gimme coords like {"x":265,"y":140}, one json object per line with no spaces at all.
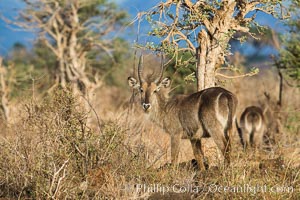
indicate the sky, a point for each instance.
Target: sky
{"x":9,"y":34}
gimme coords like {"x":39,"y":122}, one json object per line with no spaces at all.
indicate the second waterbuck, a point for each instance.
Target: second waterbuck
{"x":208,"y":113}
{"x":252,"y":127}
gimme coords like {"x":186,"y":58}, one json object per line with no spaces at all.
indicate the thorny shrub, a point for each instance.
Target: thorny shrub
{"x":51,"y":153}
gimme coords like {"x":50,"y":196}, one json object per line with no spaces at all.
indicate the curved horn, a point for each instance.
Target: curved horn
{"x":140,"y":69}
{"x":160,"y":75}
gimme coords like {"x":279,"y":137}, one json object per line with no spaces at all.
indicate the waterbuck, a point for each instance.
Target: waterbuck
{"x":252,"y":127}
{"x":208,"y":113}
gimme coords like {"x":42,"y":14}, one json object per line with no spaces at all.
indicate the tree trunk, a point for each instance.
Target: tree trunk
{"x":207,"y":55}
{"x":201,"y":59}
{"x":212,"y":42}
{"x":62,"y":81}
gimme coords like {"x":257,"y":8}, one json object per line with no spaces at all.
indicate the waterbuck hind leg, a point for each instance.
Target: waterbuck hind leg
{"x":246,"y":138}
{"x":258,"y":143}
{"x":196,"y":145}
{"x":220,"y":135}
{"x":175,"y":147}
{"x":225,"y":146}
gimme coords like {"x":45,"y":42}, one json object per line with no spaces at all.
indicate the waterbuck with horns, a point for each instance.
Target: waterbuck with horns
{"x":208,"y":113}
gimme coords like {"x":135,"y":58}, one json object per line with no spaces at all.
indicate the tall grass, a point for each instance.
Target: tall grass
{"x":51,"y":152}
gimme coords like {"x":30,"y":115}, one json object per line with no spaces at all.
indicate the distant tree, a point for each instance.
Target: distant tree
{"x":112,"y":68}
{"x":29,"y":70}
{"x":204,"y":29}
{"x":18,"y":52}
{"x":72,"y":30}
{"x":288,"y":60}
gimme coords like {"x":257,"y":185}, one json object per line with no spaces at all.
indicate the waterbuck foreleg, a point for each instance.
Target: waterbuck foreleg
{"x":175,"y":147}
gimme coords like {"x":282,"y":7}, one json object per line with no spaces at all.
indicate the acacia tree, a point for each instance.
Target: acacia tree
{"x":72,"y":29}
{"x":204,"y":29}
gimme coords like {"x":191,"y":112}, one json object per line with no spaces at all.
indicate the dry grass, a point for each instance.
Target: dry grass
{"x":51,"y":153}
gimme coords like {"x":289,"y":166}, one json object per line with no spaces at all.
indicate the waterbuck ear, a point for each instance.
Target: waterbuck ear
{"x":166,"y":82}
{"x":132,"y":82}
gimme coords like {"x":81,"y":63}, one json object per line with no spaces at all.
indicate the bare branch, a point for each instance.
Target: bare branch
{"x":252,"y":73}
{"x":190,"y":44}
{"x":57,"y":179}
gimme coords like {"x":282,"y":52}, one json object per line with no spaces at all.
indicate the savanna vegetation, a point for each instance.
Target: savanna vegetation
{"x":71,"y":128}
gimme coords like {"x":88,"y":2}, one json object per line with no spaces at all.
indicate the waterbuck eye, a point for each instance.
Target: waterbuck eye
{"x":141,"y":90}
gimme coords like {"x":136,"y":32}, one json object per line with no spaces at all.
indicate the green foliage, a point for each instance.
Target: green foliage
{"x":182,"y":73}
{"x":289,"y":60}
{"x":98,"y":12}
{"x":104,"y":61}
{"x":28,"y":70}
{"x":113,"y":67}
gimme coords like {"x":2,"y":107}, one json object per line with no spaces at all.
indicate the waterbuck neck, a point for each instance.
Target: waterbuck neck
{"x":158,"y":111}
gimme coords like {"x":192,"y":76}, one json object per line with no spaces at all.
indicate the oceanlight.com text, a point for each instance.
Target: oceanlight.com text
{"x":210,"y":188}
